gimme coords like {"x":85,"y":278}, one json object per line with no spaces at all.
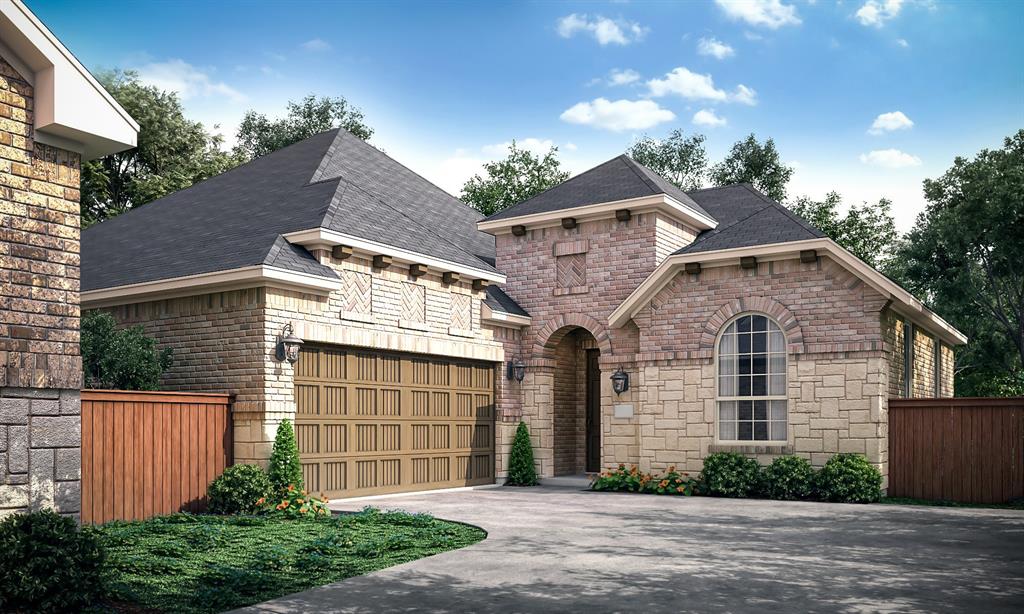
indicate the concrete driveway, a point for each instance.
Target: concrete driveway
{"x":559,"y":549}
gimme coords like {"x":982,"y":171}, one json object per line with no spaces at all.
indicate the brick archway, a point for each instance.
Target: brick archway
{"x":549,"y":336}
{"x":762,"y":304}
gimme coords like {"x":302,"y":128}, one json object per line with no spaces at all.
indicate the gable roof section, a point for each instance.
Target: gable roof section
{"x":497,"y":300}
{"x":620,"y":178}
{"x":746,"y":218}
{"x":242,"y":217}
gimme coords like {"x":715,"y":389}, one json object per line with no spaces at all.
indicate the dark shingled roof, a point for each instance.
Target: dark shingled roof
{"x":497,"y":300}
{"x":332,"y":180}
{"x":746,"y":218}
{"x":617,"y":179}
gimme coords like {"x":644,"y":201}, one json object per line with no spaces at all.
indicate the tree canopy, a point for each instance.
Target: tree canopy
{"x":258,"y":135}
{"x":868,"y":230}
{"x":751,"y":162}
{"x":173,"y":152}
{"x":678,"y":158}
{"x":965,"y":255}
{"x":519,"y":176}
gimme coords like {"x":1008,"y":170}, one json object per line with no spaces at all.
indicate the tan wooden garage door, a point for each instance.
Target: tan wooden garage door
{"x":373,"y":422}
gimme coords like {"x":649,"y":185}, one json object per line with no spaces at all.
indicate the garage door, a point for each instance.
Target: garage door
{"x":373,"y":422}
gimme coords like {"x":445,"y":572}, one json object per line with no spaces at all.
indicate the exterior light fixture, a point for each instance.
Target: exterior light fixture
{"x":288,"y":345}
{"x":516,"y":370}
{"x":620,"y":381}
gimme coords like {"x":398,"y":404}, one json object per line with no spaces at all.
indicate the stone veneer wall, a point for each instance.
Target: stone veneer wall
{"x":40,"y":365}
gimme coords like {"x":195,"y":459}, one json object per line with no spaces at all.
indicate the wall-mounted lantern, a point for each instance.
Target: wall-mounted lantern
{"x":288,"y":345}
{"x":620,"y":381}
{"x":516,"y":370}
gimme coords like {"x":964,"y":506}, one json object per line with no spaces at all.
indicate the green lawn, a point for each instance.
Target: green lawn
{"x":200,"y":563}
{"x":1015,"y":505}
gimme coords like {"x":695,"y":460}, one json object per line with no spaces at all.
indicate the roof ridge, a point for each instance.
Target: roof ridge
{"x":415,"y":223}
{"x":636,"y":168}
{"x":720,"y":229}
{"x":538,"y":194}
{"x":785,"y":210}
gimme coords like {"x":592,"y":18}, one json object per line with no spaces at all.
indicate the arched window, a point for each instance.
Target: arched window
{"x":752,"y":380}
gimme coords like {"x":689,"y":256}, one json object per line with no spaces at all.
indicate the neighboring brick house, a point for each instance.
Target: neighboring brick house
{"x":53,"y":115}
{"x":740,"y":326}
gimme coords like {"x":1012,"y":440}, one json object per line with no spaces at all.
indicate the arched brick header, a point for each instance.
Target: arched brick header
{"x":559,"y":326}
{"x":761,"y":304}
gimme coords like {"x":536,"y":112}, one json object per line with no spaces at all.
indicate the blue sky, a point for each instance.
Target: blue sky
{"x":867,"y":97}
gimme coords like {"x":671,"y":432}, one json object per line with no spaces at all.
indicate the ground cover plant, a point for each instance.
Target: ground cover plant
{"x":206,"y":563}
{"x":671,"y":482}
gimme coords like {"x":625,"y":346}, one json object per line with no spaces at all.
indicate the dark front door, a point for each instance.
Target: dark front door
{"x":593,"y":411}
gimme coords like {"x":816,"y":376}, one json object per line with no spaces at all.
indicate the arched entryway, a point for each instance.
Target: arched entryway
{"x":576,"y":419}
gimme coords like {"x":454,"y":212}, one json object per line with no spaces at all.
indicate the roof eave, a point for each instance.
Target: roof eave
{"x":904,"y":302}
{"x":204,"y":283}
{"x":494,"y":317}
{"x":660,"y":202}
{"x":325,"y":237}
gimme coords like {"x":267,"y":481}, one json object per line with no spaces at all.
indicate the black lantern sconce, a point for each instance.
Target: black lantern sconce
{"x":516,"y":370}
{"x":288,"y":345}
{"x":620,"y":381}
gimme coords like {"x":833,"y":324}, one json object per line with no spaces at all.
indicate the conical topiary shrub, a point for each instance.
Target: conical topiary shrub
{"x":285,"y":469}
{"x":521,"y":471}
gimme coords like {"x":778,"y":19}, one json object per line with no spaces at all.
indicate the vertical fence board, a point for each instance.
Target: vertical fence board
{"x":963,"y":449}
{"x":150,"y":453}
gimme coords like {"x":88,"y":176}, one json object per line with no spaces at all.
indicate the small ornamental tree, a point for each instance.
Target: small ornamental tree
{"x":285,"y":469}
{"x":521,"y":471}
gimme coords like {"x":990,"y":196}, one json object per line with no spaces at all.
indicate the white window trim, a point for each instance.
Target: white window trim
{"x":718,"y":397}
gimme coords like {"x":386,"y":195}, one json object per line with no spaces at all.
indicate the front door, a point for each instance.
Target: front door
{"x":593,"y":412}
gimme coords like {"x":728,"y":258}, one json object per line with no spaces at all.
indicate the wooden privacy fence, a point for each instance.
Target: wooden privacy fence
{"x":151,"y":453}
{"x":969,"y":449}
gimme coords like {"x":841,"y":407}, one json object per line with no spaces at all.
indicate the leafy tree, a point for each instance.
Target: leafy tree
{"x":751,"y":162}
{"x":172,"y":152}
{"x":258,"y":135}
{"x":518,"y":177}
{"x":285,"y":469}
{"x":868,"y":230}
{"x":120,"y":359}
{"x":521,"y":470}
{"x":966,"y":255}
{"x":680,"y":159}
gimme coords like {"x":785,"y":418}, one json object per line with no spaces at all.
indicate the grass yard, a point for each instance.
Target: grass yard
{"x":201,"y":563}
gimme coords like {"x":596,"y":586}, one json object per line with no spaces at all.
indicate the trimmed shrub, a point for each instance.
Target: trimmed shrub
{"x":521,"y":470}
{"x":123,"y":359}
{"x":849,"y":478}
{"x":788,"y":478}
{"x":729,"y":474}
{"x":284,"y":469}
{"x":241,"y":489}
{"x":48,"y":564}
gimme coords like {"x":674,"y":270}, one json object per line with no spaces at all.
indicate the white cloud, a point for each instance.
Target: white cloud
{"x":187,"y":80}
{"x":752,"y":36}
{"x":890,"y":122}
{"x":707,"y":117}
{"x":570,"y":146}
{"x":695,"y":86}
{"x":623,"y":77}
{"x":877,"y":12}
{"x":618,"y":115}
{"x":890,"y":158}
{"x":316,"y":44}
{"x":902,"y":42}
{"x":606,"y":31}
{"x":767,"y":13}
{"x":533,"y":145}
{"x":715,"y":48}
{"x":745,"y":95}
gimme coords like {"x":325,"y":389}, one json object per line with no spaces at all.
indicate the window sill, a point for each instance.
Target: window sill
{"x":571,"y":290}
{"x":768,"y":447}
{"x":366,"y":318}
{"x":412,"y":325}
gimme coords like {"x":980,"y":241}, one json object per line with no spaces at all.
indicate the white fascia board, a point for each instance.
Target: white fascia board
{"x":69,"y":104}
{"x":903,"y":302}
{"x":325,"y":238}
{"x":500,"y":318}
{"x":656,"y":202}
{"x":204,"y":283}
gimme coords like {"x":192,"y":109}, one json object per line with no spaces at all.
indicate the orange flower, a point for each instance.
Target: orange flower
{"x":324,"y":499}
{"x":302,"y":511}
{"x":261,"y":501}
{"x":291,"y":488}
{"x":680,"y":489}
{"x":299,"y":501}
{"x":284,"y":503}
{"x":663,"y":484}
{"x":679,"y":480}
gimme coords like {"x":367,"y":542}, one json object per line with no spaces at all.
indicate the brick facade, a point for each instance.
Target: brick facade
{"x":40,"y":365}
{"x":932,"y":362}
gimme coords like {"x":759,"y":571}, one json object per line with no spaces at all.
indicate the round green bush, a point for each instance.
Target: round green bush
{"x":241,"y":489}
{"x":729,"y":474}
{"x":788,"y":478}
{"x":48,"y":564}
{"x":849,"y":478}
